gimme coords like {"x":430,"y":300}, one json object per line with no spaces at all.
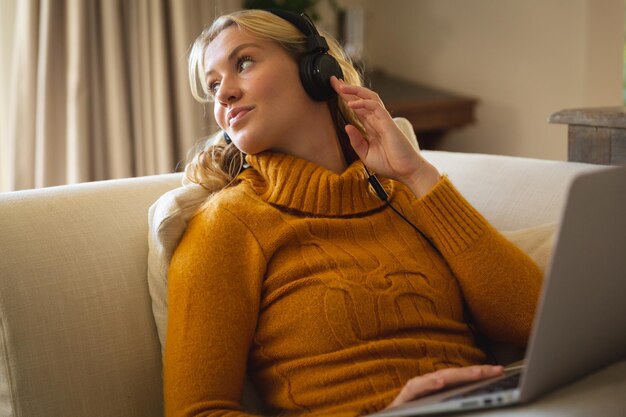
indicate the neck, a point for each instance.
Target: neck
{"x":328,"y":153}
{"x":317,"y":141}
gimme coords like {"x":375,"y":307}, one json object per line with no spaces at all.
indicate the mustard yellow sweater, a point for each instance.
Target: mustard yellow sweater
{"x":306,"y":281}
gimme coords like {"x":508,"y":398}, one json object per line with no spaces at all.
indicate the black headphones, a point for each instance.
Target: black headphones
{"x":316,"y":65}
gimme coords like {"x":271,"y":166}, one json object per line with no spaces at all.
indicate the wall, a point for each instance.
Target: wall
{"x":522,"y":59}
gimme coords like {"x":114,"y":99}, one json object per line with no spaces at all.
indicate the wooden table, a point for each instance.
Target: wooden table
{"x":596,"y":135}
{"x":432,"y":112}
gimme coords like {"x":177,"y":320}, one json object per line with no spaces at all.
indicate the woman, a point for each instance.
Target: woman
{"x":333,"y":300}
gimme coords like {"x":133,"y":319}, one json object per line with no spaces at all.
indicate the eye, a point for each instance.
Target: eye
{"x":244,"y":63}
{"x":213,"y":87}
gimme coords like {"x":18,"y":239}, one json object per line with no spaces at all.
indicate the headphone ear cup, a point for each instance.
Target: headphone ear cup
{"x":315,"y":72}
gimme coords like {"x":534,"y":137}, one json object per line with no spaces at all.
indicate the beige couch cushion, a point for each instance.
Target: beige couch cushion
{"x":76,"y":330}
{"x":511,"y":192}
{"x":536,"y":241}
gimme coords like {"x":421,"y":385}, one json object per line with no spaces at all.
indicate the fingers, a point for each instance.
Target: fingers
{"x":371,"y":105}
{"x":455,"y":376}
{"x":417,"y":387}
{"x":364,"y":102}
{"x":354,"y":95}
{"x":358,"y":142}
{"x":428,"y":383}
{"x":352,"y":92}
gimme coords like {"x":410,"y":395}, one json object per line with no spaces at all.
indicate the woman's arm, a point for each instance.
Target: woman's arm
{"x":500,"y":283}
{"x":213,"y":290}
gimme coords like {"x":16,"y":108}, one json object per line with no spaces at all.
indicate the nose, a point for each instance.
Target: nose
{"x":228,"y":91}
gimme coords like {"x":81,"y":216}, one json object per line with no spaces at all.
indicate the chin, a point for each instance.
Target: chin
{"x":252,"y":143}
{"x":250,"y":148}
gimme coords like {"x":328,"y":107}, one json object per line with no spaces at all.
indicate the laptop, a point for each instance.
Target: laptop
{"x":580,"y":324}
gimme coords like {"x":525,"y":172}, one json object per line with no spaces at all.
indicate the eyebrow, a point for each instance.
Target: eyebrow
{"x":234,"y":52}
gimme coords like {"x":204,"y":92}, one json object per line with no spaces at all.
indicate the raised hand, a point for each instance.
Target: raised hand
{"x":384,"y":148}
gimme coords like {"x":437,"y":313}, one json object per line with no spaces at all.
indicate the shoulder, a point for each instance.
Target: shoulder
{"x":224,"y":216}
{"x":243,"y":205}
{"x":218,"y":240}
{"x":233,"y":207}
{"x":228,"y":221}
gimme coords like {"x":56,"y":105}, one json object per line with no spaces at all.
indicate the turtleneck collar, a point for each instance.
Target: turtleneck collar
{"x":299,"y":185}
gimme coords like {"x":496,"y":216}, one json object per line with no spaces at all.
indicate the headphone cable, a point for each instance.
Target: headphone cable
{"x":382,"y":194}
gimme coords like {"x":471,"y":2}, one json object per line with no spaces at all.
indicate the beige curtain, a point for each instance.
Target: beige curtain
{"x":7,"y":24}
{"x":99,"y":89}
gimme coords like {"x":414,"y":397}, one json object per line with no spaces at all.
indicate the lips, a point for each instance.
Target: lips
{"x":236,"y":114}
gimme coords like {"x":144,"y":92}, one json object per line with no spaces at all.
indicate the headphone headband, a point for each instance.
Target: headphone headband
{"x":317,"y":65}
{"x":301,"y":21}
{"x":314,"y":42}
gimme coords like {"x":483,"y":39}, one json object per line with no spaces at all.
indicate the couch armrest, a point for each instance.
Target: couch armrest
{"x":77,"y":335}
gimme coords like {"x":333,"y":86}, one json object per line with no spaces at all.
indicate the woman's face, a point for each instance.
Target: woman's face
{"x":259,"y":100}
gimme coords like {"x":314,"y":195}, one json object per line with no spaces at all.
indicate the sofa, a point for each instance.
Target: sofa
{"x":78,"y":335}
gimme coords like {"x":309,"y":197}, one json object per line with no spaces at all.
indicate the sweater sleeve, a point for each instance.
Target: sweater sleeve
{"x":213,"y":289}
{"x":500,"y":283}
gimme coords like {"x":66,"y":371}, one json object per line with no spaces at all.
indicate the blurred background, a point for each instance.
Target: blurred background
{"x":98,"y":89}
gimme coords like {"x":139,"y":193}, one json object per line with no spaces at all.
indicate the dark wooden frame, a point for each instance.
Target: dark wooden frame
{"x":595,"y":135}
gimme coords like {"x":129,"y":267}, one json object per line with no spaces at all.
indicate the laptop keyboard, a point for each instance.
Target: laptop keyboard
{"x":507,"y":383}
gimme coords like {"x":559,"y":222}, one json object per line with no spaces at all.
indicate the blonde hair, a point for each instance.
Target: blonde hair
{"x":214,"y":159}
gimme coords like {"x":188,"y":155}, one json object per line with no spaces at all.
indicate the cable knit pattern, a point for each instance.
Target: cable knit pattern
{"x":297,"y":185}
{"x":305,"y":280}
